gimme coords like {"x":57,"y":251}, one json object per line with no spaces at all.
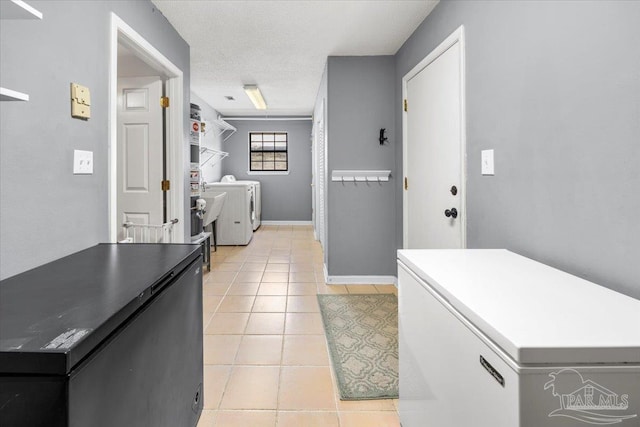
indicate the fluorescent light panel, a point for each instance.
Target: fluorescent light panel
{"x":254,"y":94}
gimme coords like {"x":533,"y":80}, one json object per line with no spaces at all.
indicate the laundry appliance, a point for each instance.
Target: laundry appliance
{"x":257,"y":198}
{"x":234,"y":226}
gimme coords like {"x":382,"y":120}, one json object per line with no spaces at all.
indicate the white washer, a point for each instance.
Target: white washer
{"x":234,"y":226}
{"x":257,"y":198}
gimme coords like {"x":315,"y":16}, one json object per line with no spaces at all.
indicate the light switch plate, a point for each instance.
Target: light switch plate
{"x":487,"y":162}
{"x":80,"y":102}
{"x":82,"y":162}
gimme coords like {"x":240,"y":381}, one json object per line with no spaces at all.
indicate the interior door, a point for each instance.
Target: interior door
{"x":434,"y":159}
{"x":140,"y":151}
{"x":320,"y":175}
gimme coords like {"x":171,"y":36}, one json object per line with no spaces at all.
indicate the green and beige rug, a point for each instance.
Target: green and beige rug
{"x":362,"y":332}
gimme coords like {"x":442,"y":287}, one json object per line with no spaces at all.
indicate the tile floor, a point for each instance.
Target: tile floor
{"x":265,"y":353}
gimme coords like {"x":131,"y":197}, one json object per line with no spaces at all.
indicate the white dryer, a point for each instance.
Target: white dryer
{"x":257,"y":198}
{"x":234,"y":226}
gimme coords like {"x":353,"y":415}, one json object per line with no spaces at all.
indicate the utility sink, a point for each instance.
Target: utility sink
{"x":214,"y":206}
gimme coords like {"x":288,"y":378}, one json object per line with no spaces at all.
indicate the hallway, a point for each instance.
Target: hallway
{"x":265,"y":354}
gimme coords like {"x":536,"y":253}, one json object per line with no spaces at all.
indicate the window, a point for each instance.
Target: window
{"x":268,"y":151}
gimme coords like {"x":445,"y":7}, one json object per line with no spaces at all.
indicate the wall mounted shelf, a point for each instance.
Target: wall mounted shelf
{"x":222,"y":127}
{"x":215,"y":155}
{"x":360,"y":175}
{"x":12,"y":95}
{"x":16,"y":9}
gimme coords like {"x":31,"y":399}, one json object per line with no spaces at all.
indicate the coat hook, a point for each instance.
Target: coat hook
{"x":382,"y":138}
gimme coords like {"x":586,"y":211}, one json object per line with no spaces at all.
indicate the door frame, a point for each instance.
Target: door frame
{"x":456,"y":37}
{"x":121,"y":32}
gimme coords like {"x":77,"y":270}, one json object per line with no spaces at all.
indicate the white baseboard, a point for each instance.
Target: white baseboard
{"x":286,"y":223}
{"x":361,"y":280}
{"x":358,"y":280}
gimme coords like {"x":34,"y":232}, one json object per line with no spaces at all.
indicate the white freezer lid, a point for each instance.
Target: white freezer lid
{"x":535,"y":313}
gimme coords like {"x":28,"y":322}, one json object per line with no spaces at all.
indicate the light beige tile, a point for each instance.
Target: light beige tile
{"x":303,"y":324}
{"x":302,"y":304}
{"x":302,"y":289}
{"x":301,"y":268}
{"x":215,"y":381}
{"x":305,"y":350}
{"x":386,"y":289}
{"x":270,"y":304}
{"x":279,"y":260}
{"x":248,"y":277}
{"x":274,"y":277}
{"x":206,"y":318}
{"x":273,"y":289}
{"x":331,"y":289}
{"x":260,"y":350}
{"x":236,"y":304}
{"x":369,"y":419}
{"x":256,"y":258}
{"x":366,"y":405}
{"x":227,"y":323}
{"x":280,"y":252}
{"x":254,"y":266}
{"x":236,"y":257}
{"x":210,"y":302}
{"x":243,"y":289}
{"x":226,"y":266}
{"x":221,"y":276}
{"x":245,"y":419}
{"x":306,"y":388}
{"x":252,"y":387}
{"x":307,"y":419}
{"x":302,"y":277}
{"x":362,"y":289}
{"x":265,"y":324}
{"x":215,"y":288}
{"x":207,"y":418}
{"x":220,"y":349}
{"x":277,"y":268}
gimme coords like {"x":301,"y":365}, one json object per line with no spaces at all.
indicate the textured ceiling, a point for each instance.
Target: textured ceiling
{"x":282,"y":46}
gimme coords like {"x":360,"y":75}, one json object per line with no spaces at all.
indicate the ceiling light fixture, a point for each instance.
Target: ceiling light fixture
{"x":253,"y":92}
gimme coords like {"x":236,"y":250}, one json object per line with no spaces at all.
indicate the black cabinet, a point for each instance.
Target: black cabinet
{"x":109,"y":336}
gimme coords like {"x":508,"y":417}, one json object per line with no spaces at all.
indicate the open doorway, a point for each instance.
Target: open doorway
{"x":145,"y":141}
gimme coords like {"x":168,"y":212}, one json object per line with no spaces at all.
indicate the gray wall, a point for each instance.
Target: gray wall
{"x":284,"y":197}
{"x":45,"y":211}
{"x":212,"y":171}
{"x":361,"y":216}
{"x":554,"y":88}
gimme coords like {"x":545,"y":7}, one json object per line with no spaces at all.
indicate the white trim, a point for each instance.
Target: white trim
{"x":263,"y":222}
{"x":456,"y":37}
{"x":361,"y":280}
{"x":121,"y":32}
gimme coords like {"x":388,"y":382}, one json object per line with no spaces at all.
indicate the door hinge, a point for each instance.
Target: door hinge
{"x":164,"y":102}
{"x":406,"y":105}
{"x":406,"y":183}
{"x":166,"y":185}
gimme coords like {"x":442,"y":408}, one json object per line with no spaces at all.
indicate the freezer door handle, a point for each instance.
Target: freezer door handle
{"x":495,"y":374}
{"x":162,"y":282}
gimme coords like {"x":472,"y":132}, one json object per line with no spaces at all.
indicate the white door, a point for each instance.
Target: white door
{"x":434,"y":152}
{"x":320,"y":175}
{"x":140,"y":147}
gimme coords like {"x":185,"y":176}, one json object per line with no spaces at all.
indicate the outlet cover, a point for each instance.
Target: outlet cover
{"x":487,"y":162}
{"x":82,"y":162}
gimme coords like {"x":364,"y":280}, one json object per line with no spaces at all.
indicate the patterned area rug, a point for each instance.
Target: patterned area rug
{"x":362,"y":332}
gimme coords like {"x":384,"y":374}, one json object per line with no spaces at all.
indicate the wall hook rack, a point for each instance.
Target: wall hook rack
{"x":360,"y":175}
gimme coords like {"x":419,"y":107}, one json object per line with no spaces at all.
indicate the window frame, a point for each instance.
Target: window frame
{"x":274,"y":171}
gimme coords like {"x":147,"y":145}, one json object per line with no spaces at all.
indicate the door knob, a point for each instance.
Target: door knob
{"x":453,"y":213}
{"x":454,"y":190}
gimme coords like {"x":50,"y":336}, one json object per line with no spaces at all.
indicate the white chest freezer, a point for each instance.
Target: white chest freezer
{"x":489,"y":338}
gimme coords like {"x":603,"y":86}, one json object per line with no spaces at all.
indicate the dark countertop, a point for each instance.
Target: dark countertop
{"x":53,"y":316}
